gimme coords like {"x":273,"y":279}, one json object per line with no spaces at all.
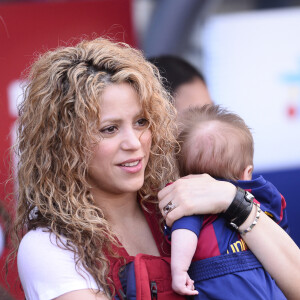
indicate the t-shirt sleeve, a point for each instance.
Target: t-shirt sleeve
{"x":47,"y":271}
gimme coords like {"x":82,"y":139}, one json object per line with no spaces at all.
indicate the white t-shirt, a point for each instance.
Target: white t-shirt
{"x":47,"y":271}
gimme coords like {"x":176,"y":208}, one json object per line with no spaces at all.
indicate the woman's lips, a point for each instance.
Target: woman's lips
{"x":131,"y":166}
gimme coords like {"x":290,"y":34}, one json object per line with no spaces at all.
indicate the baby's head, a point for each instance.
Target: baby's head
{"x":215,"y":141}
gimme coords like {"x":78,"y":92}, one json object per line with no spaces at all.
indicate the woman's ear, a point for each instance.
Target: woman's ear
{"x":247,"y":174}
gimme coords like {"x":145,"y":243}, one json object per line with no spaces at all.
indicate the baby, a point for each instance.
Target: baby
{"x":215,"y":141}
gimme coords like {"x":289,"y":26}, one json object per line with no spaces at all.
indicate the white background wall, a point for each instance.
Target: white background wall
{"x":252,"y":65}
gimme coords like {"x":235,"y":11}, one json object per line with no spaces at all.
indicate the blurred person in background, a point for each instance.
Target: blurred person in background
{"x":185,"y":83}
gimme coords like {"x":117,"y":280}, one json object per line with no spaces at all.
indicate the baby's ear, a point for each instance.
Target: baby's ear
{"x":247,"y":174}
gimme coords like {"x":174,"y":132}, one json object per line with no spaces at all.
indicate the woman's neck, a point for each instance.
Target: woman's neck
{"x":128,"y":222}
{"x":117,"y":207}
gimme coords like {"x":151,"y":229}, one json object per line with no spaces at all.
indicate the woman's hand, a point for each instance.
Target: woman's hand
{"x":196,"y":194}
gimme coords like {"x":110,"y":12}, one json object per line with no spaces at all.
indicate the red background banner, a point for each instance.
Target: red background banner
{"x":27,"y":30}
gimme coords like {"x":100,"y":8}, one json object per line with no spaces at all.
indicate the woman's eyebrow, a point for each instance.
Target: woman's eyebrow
{"x":119,"y":120}
{"x":112,"y":120}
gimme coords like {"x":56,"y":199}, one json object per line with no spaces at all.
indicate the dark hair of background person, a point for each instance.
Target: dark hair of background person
{"x":184,"y":82}
{"x":176,"y":70}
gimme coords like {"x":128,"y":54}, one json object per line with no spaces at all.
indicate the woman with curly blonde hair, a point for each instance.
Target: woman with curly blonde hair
{"x":96,"y":138}
{"x":61,"y":126}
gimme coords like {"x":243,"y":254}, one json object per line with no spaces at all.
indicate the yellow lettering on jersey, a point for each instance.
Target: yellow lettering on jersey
{"x":245,"y":247}
{"x":238,"y":246}
{"x":269,"y":214}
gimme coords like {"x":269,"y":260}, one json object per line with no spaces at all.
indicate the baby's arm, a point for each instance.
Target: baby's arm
{"x":183,"y":243}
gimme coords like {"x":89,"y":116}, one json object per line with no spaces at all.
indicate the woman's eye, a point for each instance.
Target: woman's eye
{"x":143,"y":122}
{"x":109,"y":130}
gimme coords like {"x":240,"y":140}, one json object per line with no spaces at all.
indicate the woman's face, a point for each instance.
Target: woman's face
{"x":120,"y":158}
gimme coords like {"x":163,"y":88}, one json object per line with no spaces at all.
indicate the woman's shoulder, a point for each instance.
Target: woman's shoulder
{"x":41,"y":235}
{"x":47,"y":269}
{"x":40,"y":244}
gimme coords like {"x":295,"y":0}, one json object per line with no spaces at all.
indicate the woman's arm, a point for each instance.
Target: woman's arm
{"x":82,"y":294}
{"x":201,"y":194}
{"x":277,"y":252}
{"x":47,"y":271}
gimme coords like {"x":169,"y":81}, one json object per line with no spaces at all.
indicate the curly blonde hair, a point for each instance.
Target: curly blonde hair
{"x":58,"y":129}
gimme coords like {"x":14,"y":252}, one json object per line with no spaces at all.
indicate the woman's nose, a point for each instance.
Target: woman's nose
{"x":131,"y":140}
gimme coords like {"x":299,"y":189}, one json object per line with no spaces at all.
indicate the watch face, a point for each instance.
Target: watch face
{"x":249,"y":197}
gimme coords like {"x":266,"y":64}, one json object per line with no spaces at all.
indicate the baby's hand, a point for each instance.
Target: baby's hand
{"x":183,"y":284}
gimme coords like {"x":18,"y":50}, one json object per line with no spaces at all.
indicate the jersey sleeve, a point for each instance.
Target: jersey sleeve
{"x":192,"y":223}
{"x":277,"y":211}
{"x":272,"y":203}
{"x":47,"y":271}
{"x":270,"y":199}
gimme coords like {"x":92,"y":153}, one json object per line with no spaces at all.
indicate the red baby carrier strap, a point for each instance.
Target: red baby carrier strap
{"x":154,"y":220}
{"x":144,"y":277}
{"x":153,"y":278}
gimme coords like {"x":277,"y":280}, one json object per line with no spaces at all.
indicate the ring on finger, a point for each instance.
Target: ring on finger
{"x":169,"y":207}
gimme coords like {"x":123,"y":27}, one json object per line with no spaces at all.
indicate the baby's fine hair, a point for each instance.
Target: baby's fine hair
{"x":215,"y":141}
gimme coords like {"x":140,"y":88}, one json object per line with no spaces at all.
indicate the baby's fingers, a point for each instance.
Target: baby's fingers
{"x":190,"y":288}
{"x":189,"y":292}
